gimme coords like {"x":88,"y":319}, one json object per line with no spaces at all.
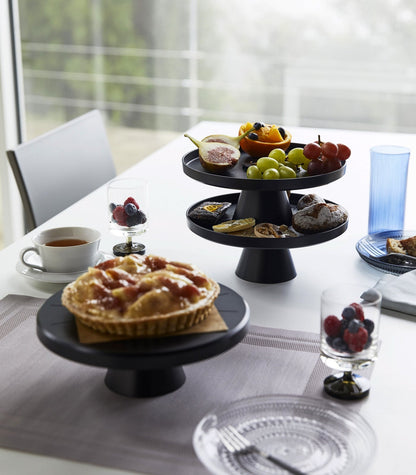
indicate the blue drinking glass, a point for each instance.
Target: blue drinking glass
{"x":388,"y":184}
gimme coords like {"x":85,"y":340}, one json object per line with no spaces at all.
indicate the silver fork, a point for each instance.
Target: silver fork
{"x":398,"y":259}
{"x":391,"y":258}
{"x":372,"y":250}
{"x":236,"y":443}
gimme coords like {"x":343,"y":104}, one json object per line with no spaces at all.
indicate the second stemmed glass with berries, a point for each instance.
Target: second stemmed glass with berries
{"x":128,"y":200}
{"x":350,"y":317}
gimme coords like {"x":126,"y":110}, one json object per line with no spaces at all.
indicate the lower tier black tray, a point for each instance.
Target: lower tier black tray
{"x":142,"y":367}
{"x":302,"y":240}
{"x":264,"y":260}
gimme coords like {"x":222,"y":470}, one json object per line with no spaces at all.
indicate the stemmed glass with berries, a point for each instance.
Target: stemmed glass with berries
{"x":127,"y":200}
{"x":350,"y":320}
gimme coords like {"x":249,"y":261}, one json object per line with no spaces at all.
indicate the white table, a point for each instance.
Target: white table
{"x":390,"y":408}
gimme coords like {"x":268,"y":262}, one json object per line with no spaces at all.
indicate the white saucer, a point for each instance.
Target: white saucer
{"x":56,"y":277}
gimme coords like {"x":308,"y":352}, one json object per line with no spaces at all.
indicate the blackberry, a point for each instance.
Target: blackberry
{"x":368,"y":344}
{"x":141,"y":216}
{"x":137,"y":218}
{"x":369,"y":325}
{"x":339,"y":344}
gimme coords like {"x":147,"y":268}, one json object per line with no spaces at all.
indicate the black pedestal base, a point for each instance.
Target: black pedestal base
{"x":267,"y":206}
{"x":143,"y":367}
{"x":347,"y":386}
{"x":135,"y":383}
{"x":266,"y":266}
{"x":124,"y":249}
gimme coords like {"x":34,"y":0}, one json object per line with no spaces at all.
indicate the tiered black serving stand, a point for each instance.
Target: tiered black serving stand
{"x":142,"y":367}
{"x":263,"y":260}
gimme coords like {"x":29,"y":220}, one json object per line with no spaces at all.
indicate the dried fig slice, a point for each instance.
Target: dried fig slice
{"x":267,"y":230}
{"x":215,"y":156}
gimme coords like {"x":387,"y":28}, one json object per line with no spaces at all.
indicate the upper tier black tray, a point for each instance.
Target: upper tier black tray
{"x":236,"y":177}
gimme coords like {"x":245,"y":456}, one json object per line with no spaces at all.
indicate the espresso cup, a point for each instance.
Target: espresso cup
{"x":63,"y":250}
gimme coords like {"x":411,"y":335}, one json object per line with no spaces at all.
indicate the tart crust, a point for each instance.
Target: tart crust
{"x":141,"y":296}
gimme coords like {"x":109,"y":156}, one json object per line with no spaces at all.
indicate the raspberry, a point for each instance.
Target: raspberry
{"x":120,"y":215}
{"x":131,"y":200}
{"x":356,"y":341}
{"x":359,"y":311}
{"x":332,"y":326}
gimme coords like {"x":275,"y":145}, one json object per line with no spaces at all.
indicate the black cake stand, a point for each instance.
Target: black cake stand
{"x":143,"y":367}
{"x":263,"y":260}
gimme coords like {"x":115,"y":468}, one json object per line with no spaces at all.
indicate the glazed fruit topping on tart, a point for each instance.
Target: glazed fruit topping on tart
{"x":141,"y":295}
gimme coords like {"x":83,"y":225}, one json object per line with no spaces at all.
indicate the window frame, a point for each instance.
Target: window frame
{"x":12,"y":121}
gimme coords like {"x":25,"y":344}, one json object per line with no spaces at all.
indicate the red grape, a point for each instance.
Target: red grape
{"x":332,"y":164}
{"x":329,"y":149}
{"x":343,"y":152}
{"x":312,"y":151}
{"x":315,"y":167}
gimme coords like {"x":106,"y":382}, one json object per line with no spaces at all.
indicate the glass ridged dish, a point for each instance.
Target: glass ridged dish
{"x":374,"y":245}
{"x":316,"y":436}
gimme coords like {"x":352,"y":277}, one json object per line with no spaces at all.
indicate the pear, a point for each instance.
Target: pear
{"x":234,"y":141}
{"x":216,"y":156}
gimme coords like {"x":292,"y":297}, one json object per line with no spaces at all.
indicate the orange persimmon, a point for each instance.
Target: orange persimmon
{"x":269,"y":138}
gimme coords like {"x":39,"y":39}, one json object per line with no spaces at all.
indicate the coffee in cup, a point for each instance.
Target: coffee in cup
{"x":63,"y":250}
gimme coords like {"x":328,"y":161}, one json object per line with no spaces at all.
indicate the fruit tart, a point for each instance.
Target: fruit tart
{"x":141,"y":296}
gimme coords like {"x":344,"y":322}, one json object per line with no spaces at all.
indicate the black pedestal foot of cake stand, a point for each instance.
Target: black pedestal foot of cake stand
{"x":266,"y":266}
{"x":135,"y":383}
{"x":126,"y":248}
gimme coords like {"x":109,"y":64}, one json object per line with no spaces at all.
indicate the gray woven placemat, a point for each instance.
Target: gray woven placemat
{"x":55,"y":407}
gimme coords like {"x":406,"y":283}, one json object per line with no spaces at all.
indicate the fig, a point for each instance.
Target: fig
{"x":216,"y":156}
{"x":234,"y":141}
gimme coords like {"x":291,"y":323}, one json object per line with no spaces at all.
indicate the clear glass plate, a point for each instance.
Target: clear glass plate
{"x":316,"y":436}
{"x":374,"y":245}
